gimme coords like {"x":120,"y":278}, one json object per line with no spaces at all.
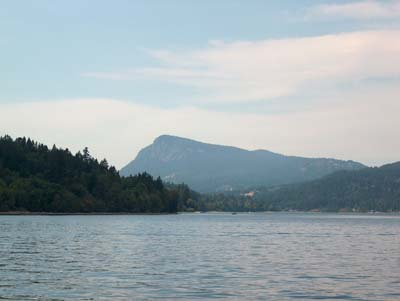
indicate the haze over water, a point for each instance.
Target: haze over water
{"x":279,"y":256}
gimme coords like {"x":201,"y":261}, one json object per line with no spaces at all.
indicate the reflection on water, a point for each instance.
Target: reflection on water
{"x":267,"y":256}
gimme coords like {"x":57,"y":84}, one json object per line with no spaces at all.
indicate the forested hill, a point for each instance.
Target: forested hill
{"x":38,"y":179}
{"x":376,"y":189}
{"x":369,"y":189}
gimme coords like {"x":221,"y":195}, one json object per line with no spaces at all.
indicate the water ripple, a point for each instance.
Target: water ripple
{"x":200,"y":256}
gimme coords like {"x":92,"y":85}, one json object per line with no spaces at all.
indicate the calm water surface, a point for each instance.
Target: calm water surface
{"x":200,"y":256}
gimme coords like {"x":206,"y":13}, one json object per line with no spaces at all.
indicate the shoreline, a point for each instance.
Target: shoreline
{"x":28,"y":213}
{"x":14,"y":213}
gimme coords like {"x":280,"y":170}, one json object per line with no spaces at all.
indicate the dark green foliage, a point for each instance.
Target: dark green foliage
{"x":376,"y":189}
{"x":369,"y":189}
{"x":36,"y":178}
{"x":187,"y":199}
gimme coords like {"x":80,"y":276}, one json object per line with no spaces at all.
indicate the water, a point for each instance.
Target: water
{"x":267,"y":256}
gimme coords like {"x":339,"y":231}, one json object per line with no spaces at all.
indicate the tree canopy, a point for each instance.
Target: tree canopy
{"x":36,"y":178}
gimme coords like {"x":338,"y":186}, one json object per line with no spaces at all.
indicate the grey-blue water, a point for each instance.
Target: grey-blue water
{"x":200,"y":256}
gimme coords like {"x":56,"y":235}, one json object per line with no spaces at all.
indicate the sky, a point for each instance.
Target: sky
{"x":298,"y":77}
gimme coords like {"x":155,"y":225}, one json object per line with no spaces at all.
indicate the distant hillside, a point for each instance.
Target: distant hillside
{"x":369,"y":189}
{"x":376,"y":189}
{"x":36,"y":178}
{"x":210,"y":168}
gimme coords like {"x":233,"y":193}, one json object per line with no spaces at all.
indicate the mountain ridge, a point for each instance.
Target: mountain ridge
{"x":211,"y":167}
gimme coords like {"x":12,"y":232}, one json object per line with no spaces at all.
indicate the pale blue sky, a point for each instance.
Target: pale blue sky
{"x":46,"y":45}
{"x":277,"y":59}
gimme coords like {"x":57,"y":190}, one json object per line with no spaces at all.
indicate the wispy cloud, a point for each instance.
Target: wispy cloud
{"x":360,"y":10}
{"x":260,"y":70}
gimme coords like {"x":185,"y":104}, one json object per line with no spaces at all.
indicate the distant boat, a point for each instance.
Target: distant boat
{"x":234,"y":213}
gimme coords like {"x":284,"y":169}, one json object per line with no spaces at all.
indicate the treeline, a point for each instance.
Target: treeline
{"x":368,"y":189}
{"x":38,"y":179}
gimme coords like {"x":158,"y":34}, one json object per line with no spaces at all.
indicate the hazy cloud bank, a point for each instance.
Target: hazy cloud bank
{"x":363,"y":129}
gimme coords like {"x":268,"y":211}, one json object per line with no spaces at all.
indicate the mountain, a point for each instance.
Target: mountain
{"x":210,"y":168}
